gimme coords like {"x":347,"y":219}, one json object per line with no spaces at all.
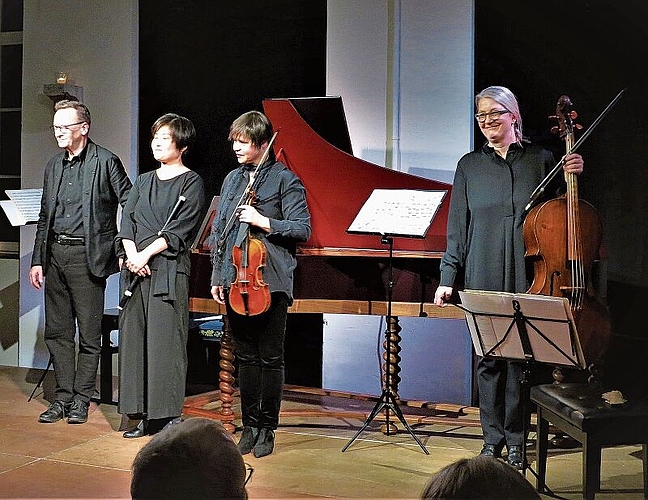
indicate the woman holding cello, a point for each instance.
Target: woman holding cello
{"x":491,"y":188}
{"x":262,"y":214}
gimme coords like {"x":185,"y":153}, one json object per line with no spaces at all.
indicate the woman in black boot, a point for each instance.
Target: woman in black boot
{"x":278,"y":217}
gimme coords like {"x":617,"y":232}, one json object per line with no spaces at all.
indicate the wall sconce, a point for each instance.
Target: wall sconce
{"x":61,"y":77}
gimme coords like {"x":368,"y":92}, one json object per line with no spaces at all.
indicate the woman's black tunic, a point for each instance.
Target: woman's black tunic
{"x":489,"y":195}
{"x":154,"y":323}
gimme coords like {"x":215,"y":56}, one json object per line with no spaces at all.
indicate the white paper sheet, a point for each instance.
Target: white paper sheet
{"x":397,"y":212}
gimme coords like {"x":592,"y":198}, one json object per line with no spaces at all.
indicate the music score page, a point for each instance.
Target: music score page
{"x":398,"y":212}
{"x":23,"y":205}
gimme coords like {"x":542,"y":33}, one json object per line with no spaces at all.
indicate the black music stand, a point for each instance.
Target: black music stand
{"x":389,"y":213}
{"x":388,"y":399}
{"x":41,"y":379}
{"x":523,"y":327}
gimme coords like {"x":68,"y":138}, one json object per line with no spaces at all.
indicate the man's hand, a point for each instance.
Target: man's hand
{"x":36,"y":277}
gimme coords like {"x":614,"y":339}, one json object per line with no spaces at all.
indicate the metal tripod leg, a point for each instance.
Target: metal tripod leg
{"x":387,"y":400}
{"x":40,"y":381}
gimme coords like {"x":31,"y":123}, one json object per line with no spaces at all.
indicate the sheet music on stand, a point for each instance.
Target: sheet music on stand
{"x":23,"y":205}
{"x":398,"y":212}
{"x":550,"y":327}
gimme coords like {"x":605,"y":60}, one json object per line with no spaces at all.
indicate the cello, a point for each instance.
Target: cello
{"x":249,"y":295}
{"x":563,"y":239}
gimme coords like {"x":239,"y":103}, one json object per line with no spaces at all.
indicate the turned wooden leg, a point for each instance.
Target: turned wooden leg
{"x":391,"y":369}
{"x":226,"y":377}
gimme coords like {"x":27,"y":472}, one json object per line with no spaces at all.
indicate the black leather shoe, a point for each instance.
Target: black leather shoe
{"x":515,"y":458}
{"x":248,"y":439}
{"x":137,"y":432}
{"x":56,"y":411}
{"x":172,"y":422}
{"x":265,"y":443}
{"x":78,"y":413}
{"x":491,"y":450}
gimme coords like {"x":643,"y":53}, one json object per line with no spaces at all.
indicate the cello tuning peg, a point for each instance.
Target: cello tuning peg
{"x":554,"y":129}
{"x":578,"y":126}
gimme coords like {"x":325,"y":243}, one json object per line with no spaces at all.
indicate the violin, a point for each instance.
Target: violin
{"x":563,"y":238}
{"x":249,"y":295}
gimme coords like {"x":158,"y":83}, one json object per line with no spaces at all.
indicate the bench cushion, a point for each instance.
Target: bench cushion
{"x":582,"y":405}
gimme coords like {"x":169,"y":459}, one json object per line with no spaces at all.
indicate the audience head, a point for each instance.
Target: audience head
{"x":480,"y":477}
{"x":196,"y":459}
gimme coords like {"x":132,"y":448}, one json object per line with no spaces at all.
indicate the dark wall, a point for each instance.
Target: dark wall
{"x":212,"y":61}
{"x":588,"y":50}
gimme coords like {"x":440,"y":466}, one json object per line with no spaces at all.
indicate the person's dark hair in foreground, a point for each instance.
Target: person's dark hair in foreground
{"x":194,"y":459}
{"x":481,"y":477}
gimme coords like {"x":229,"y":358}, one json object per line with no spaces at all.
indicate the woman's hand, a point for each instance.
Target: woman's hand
{"x":218,"y":294}
{"x":249,"y":214}
{"x":442,"y":295}
{"x":573,"y":163}
{"x":137,"y":263}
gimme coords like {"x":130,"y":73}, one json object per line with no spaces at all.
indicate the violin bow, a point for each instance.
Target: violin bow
{"x":541,"y":187}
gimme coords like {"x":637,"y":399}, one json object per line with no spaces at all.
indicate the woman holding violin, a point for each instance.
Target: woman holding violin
{"x":262,"y":215}
{"x":491,"y":188}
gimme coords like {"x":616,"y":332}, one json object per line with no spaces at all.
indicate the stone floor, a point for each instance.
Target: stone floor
{"x":93,"y":460}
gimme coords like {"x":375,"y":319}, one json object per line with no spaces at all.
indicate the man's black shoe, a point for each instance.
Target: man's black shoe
{"x":172,"y":422}
{"x":78,"y":413}
{"x":515,"y":457}
{"x":491,"y":450}
{"x":56,"y":411}
{"x":138,"y":431}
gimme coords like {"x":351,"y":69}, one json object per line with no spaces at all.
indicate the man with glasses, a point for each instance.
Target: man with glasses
{"x":490,"y":191}
{"x":82,"y":189}
{"x":196,"y":458}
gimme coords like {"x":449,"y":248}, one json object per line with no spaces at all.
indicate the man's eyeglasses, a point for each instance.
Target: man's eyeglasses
{"x":495,"y":115}
{"x":63,"y":128}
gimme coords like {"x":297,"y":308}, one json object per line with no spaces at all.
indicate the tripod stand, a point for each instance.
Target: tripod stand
{"x":388,"y":399}
{"x":41,"y":379}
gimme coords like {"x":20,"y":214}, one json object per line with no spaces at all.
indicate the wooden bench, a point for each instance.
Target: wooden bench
{"x":579,"y":411}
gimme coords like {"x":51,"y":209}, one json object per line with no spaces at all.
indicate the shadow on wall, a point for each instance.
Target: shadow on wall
{"x":9,"y":296}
